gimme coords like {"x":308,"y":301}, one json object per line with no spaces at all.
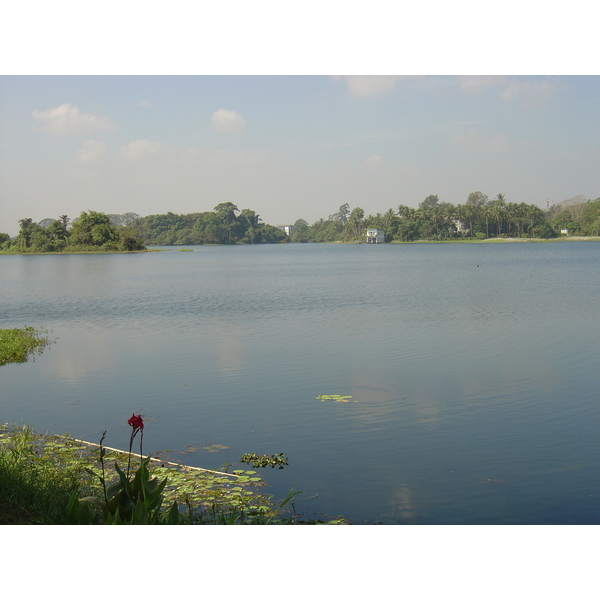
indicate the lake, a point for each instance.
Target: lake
{"x":473,"y":370}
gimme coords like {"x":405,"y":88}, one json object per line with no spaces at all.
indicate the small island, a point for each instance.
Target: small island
{"x":91,"y":232}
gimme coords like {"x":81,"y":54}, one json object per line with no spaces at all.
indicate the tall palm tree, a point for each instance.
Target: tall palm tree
{"x":469,"y":212}
{"x":511,"y":212}
{"x":461,"y":214}
{"x":487,"y":213}
{"x":533,"y":212}
{"x":406,"y":212}
{"x":498,"y":206}
{"x":355,"y":223}
{"x":388,"y":218}
{"x":496,"y":215}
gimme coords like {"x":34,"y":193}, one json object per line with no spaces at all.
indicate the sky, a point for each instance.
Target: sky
{"x":171,"y":111}
{"x":291,"y":147}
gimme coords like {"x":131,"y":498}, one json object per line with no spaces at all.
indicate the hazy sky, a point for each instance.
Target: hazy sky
{"x":291,"y":147}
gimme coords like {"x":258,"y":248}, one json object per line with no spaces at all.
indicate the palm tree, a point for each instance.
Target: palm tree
{"x":461,"y":214}
{"x":498,"y":206}
{"x":355,"y":223}
{"x":495,"y":215}
{"x":534,"y":212}
{"x":487,"y":213}
{"x":226,"y":212}
{"x":406,"y":212}
{"x":388,"y":219}
{"x":468,"y":211}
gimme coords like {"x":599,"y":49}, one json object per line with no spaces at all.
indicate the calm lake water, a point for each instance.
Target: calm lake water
{"x":474,"y":370}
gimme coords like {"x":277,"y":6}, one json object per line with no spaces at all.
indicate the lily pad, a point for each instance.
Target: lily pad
{"x":214,"y":447}
{"x":334,"y":397}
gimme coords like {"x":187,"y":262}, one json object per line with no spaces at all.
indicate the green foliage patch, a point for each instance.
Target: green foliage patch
{"x":17,"y":345}
{"x":335,"y":397}
{"x":90,"y":232}
{"x":265,"y":460}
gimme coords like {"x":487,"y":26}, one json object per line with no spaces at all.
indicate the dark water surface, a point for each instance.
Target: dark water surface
{"x":474,"y":370}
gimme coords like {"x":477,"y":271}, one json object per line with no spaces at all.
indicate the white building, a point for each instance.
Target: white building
{"x":375,"y":236}
{"x":287,"y":229}
{"x":461,"y":227}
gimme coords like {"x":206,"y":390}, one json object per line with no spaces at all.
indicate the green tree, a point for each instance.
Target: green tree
{"x":355,"y":224}
{"x":32,"y":237}
{"x":25,"y":230}
{"x":226,"y":214}
{"x":58,"y":232}
{"x":430,"y":202}
{"x":249,"y":226}
{"x":461,"y":215}
{"x":387,"y":221}
{"x":590,"y":218}
{"x":342,"y":214}
{"x":468,"y":211}
{"x":94,"y":229}
{"x":130,"y":240}
{"x":406,"y":212}
{"x":498,"y":206}
{"x":477,"y":199}
{"x":300,"y":232}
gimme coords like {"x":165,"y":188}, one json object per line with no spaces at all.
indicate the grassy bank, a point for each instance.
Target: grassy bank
{"x":17,"y":345}
{"x":39,"y":475}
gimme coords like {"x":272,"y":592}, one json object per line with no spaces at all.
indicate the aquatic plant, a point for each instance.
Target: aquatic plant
{"x":46,"y":478}
{"x":335,"y":397}
{"x":137,"y":425}
{"x":17,"y":345}
{"x":266,"y":460}
{"x":135,"y":501}
{"x":209,"y":496}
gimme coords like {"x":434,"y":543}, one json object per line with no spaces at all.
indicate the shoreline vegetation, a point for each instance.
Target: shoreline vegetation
{"x":562,"y":239}
{"x":59,"y":480}
{"x":479,"y":219}
{"x":17,"y":345}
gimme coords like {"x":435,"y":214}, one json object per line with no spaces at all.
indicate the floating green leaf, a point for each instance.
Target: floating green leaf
{"x":335,"y":397}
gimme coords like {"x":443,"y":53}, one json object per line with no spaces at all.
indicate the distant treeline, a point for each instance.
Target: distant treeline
{"x":226,"y":224}
{"x":478,"y":218}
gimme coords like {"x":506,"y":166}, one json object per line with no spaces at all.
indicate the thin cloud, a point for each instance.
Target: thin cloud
{"x":140,"y":149}
{"x":67,"y":119}
{"x":527,"y":91}
{"x":373,"y":161}
{"x":92,"y":151}
{"x":474,"y":141}
{"x":363,"y":86}
{"x":476,"y":84}
{"x":226,"y":120}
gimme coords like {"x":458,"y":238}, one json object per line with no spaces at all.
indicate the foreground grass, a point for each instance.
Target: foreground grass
{"x":39,"y":474}
{"x":16,"y":345}
{"x":34,"y":489}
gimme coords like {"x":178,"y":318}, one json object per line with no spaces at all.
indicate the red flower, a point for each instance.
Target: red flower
{"x":136,"y":422}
